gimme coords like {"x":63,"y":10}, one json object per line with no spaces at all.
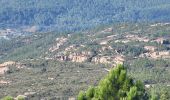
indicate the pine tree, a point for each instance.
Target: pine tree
{"x":81,"y":96}
{"x":116,"y":86}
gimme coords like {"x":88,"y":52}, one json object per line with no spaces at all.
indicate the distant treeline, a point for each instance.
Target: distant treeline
{"x":72,"y":15}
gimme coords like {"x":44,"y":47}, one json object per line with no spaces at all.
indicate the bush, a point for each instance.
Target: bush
{"x":8,"y":98}
{"x":81,"y":96}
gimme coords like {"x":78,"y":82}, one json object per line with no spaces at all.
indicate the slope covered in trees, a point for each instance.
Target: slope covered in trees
{"x":51,"y":74}
{"x":66,"y":15}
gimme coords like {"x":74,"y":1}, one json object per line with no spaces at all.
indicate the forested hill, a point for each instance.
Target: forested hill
{"x":81,"y":14}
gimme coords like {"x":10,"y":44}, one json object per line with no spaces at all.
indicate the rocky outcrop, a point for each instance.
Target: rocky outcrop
{"x":150,"y":48}
{"x":4,"y":82}
{"x":102,"y":59}
{"x":162,"y":40}
{"x":106,"y":30}
{"x":157,"y":55}
{"x":75,"y":57}
{"x":73,"y":47}
{"x":7,"y":63}
{"x":118,"y":59}
{"x":59,"y":42}
{"x":4,"y":66}
{"x":79,"y":58}
{"x":161,"y":54}
{"x":104,"y":42}
{"x":3,"y":70}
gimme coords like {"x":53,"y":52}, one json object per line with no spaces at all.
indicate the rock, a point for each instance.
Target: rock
{"x":29,"y":93}
{"x":103,"y":42}
{"x":72,"y":98}
{"x":50,"y":78}
{"x":79,"y":58}
{"x":147,"y":86}
{"x":150,"y":48}
{"x":74,"y":57}
{"x":4,"y":82}
{"x":59,"y":42}
{"x":4,"y":66}
{"x":119,"y":59}
{"x":102,"y":59}
{"x":8,"y":63}
{"x":3,"y":70}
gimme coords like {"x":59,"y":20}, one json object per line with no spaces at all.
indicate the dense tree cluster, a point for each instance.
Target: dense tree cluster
{"x":65,"y":15}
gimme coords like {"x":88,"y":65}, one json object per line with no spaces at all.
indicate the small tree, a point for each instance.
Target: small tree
{"x":90,"y":93}
{"x":116,"y":86}
{"x":81,"y":96}
{"x":8,"y":98}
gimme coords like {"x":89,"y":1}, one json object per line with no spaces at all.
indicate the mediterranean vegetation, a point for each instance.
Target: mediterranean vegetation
{"x":84,"y":49}
{"x":73,"y":15}
{"x":44,"y":63}
{"x":118,"y":86}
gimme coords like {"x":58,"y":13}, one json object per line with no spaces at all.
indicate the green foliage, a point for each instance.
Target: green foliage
{"x":116,"y":86}
{"x":154,"y":96}
{"x":132,"y":94}
{"x":90,"y":93}
{"x":129,"y":50}
{"x":17,"y":50}
{"x":20,"y":97}
{"x":81,"y":96}
{"x":8,"y":98}
{"x":164,"y":95}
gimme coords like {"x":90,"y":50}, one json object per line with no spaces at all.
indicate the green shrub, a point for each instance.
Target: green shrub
{"x":90,"y":93}
{"x":8,"y":98}
{"x":81,"y":96}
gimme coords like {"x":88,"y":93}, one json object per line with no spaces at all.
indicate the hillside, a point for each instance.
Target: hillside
{"x":73,"y":15}
{"x":40,"y":65}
